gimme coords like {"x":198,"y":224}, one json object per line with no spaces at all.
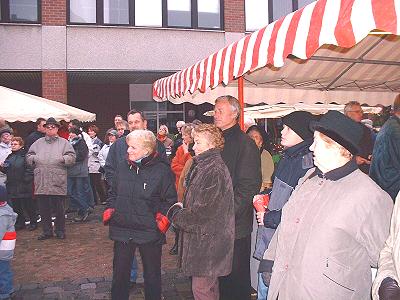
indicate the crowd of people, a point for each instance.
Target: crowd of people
{"x":309,"y":227}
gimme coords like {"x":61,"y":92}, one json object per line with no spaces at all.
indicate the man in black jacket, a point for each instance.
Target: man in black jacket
{"x":37,"y":134}
{"x":242,"y":158}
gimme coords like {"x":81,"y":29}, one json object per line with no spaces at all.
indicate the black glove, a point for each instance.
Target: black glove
{"x":389,"y":289}
{"x":272,"y":219}
{"x":265,"y":269}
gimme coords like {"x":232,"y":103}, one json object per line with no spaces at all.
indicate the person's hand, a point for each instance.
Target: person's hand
{"x":162,"y":222}
{"x":362,"y":161}
{"x":260,"y":217}
{"x":389,"y":289}
{"x":185,"y":147}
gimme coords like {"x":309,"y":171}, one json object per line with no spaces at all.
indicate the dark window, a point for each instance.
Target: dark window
{"x":281,"y":8}
{"x":303,"y":3}
{"x":20,"y":11}
{"x":116,"y":11}
{"x":205,"y":14}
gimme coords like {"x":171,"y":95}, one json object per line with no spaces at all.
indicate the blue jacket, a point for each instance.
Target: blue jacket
{"x":293,"y":165}
{"x":385,"y":165}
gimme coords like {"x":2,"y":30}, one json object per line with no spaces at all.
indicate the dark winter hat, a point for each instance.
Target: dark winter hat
{"x":3,"y":193}
{"x":341,"y":129}
{"x":75,"y":130}
{"x":6,"y":129}
{"x":299,"y":122}
{"x":52,"y":121}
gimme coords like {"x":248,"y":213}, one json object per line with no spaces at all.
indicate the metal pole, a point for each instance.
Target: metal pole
{"x":241,"y":101}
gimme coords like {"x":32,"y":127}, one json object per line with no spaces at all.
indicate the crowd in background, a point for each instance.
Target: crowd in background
{"x":322,"y":213}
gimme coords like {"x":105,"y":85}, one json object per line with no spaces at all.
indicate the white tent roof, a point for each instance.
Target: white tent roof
{"x":19,"y":106}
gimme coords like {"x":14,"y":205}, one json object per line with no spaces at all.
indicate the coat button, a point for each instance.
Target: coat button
{"x":297,"y":220}
{"x":286,"y":267}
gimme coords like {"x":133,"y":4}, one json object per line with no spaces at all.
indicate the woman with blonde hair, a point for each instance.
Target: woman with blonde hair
{"x":141,"y":193}
{"x":207,"y":220}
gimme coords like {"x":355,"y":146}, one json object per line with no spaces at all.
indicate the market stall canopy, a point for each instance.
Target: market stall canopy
{"x":281,"y":110}
{"x":328,"y":51}
{"x":19,"y":106}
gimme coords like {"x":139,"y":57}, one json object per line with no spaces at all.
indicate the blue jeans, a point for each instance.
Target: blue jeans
{"x":134,"y":269}
{"x":88,"y":191}
{"x":77,"y":192}
{"x":262,"y":289}
{"x":6,"y":279}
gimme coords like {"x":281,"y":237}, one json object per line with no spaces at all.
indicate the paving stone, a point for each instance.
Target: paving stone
{"x":46,"y":284}
{"x":86,"y":286}
{"x":17,"y":287}
{"x":96,"y":279}
{"x":52,"y":289}
{"x":71,"y":287}
{"x":80,"y":281}
{"x":101,"y":296}
{"x":52,"y":296}
{"x":29,"y":286}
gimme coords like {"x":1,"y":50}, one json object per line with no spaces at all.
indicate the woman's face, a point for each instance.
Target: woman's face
{"x":256,"y":137}
{"x":72,"y":135}
{"x":201,"y":144}
{"x":187,"y":138}
{"x":135,"y":150}
{"x":120,"y":131}
{"x":15,"y":146}
{"x":112,"y":138}
{"x":91,"y":133}
{"x":325,"y":155}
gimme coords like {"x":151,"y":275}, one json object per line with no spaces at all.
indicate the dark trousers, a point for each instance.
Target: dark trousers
{"x":24,"y":207}
{"x":122,"y":263}
{"x":47,"y":204}
{"x":97,"y":188}
{"x":237,"y":286}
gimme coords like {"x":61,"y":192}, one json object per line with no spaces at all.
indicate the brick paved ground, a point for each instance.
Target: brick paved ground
{"x":80,"y":267}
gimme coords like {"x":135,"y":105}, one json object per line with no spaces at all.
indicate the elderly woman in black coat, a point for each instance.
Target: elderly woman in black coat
{"x":142,"y":190}
{"x":19,"y":184}
{"x":207,"y":219}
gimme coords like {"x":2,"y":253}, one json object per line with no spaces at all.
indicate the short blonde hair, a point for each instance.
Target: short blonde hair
{"x":212,"y":133}
{"x":145,"y":138}
{"x":331,"y":143}
{"x":122,"y":123}
{"x":187,"y":129}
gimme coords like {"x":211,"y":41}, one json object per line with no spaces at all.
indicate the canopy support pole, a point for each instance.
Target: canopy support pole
{"x":241,"y":101}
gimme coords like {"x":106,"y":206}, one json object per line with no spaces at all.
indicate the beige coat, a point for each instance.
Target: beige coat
{"x":50,"y":158}
{"x":389,"y":259}
{"x":329,"y":238}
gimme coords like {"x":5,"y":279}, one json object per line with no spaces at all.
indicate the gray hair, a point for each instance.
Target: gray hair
{"x":145,"y":138}
{"x":234,"y":103}
{"x":349,"y":106}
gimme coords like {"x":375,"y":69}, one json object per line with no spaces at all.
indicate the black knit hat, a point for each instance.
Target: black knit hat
{"x":341,"y":129}
{"x":299,"y":122}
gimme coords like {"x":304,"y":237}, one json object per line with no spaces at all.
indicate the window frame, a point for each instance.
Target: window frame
{"x":5,"y":16}
{"x":131,"y":23}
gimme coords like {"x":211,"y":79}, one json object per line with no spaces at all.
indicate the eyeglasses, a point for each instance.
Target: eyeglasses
{"x":51,"y":126}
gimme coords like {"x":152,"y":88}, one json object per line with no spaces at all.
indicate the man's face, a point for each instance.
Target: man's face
{"x":117,"y":119}
{"x":135,"y":122}
{"x":51,"y":130}
{"x":289,"y":137}
{"x":6,"y":138}
{"x":355,"y":113}
{"x":40,"y":127}
{"x":224,"y":116}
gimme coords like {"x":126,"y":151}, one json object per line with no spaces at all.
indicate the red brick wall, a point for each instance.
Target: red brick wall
{"x":54,"y":12}
{"x":54,"y":85}
{"x":234,"y":15}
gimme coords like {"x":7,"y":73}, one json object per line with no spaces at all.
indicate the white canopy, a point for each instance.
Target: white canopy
{"x":19,"y":106}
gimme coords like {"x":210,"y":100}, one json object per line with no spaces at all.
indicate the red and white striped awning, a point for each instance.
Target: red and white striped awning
{"x":277,"y":57}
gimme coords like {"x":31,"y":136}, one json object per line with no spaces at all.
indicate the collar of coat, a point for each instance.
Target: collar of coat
{"x":144,"y":162}
{"x":209,"y":154}
{"x":50,"y":139}
{"x":299,"y":149}
{"x":340,"y":172}
{"x":231,"y":132}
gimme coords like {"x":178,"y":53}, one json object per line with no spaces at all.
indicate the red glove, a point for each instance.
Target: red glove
{"x":107,"y":214}
{"x":162,"y":222}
